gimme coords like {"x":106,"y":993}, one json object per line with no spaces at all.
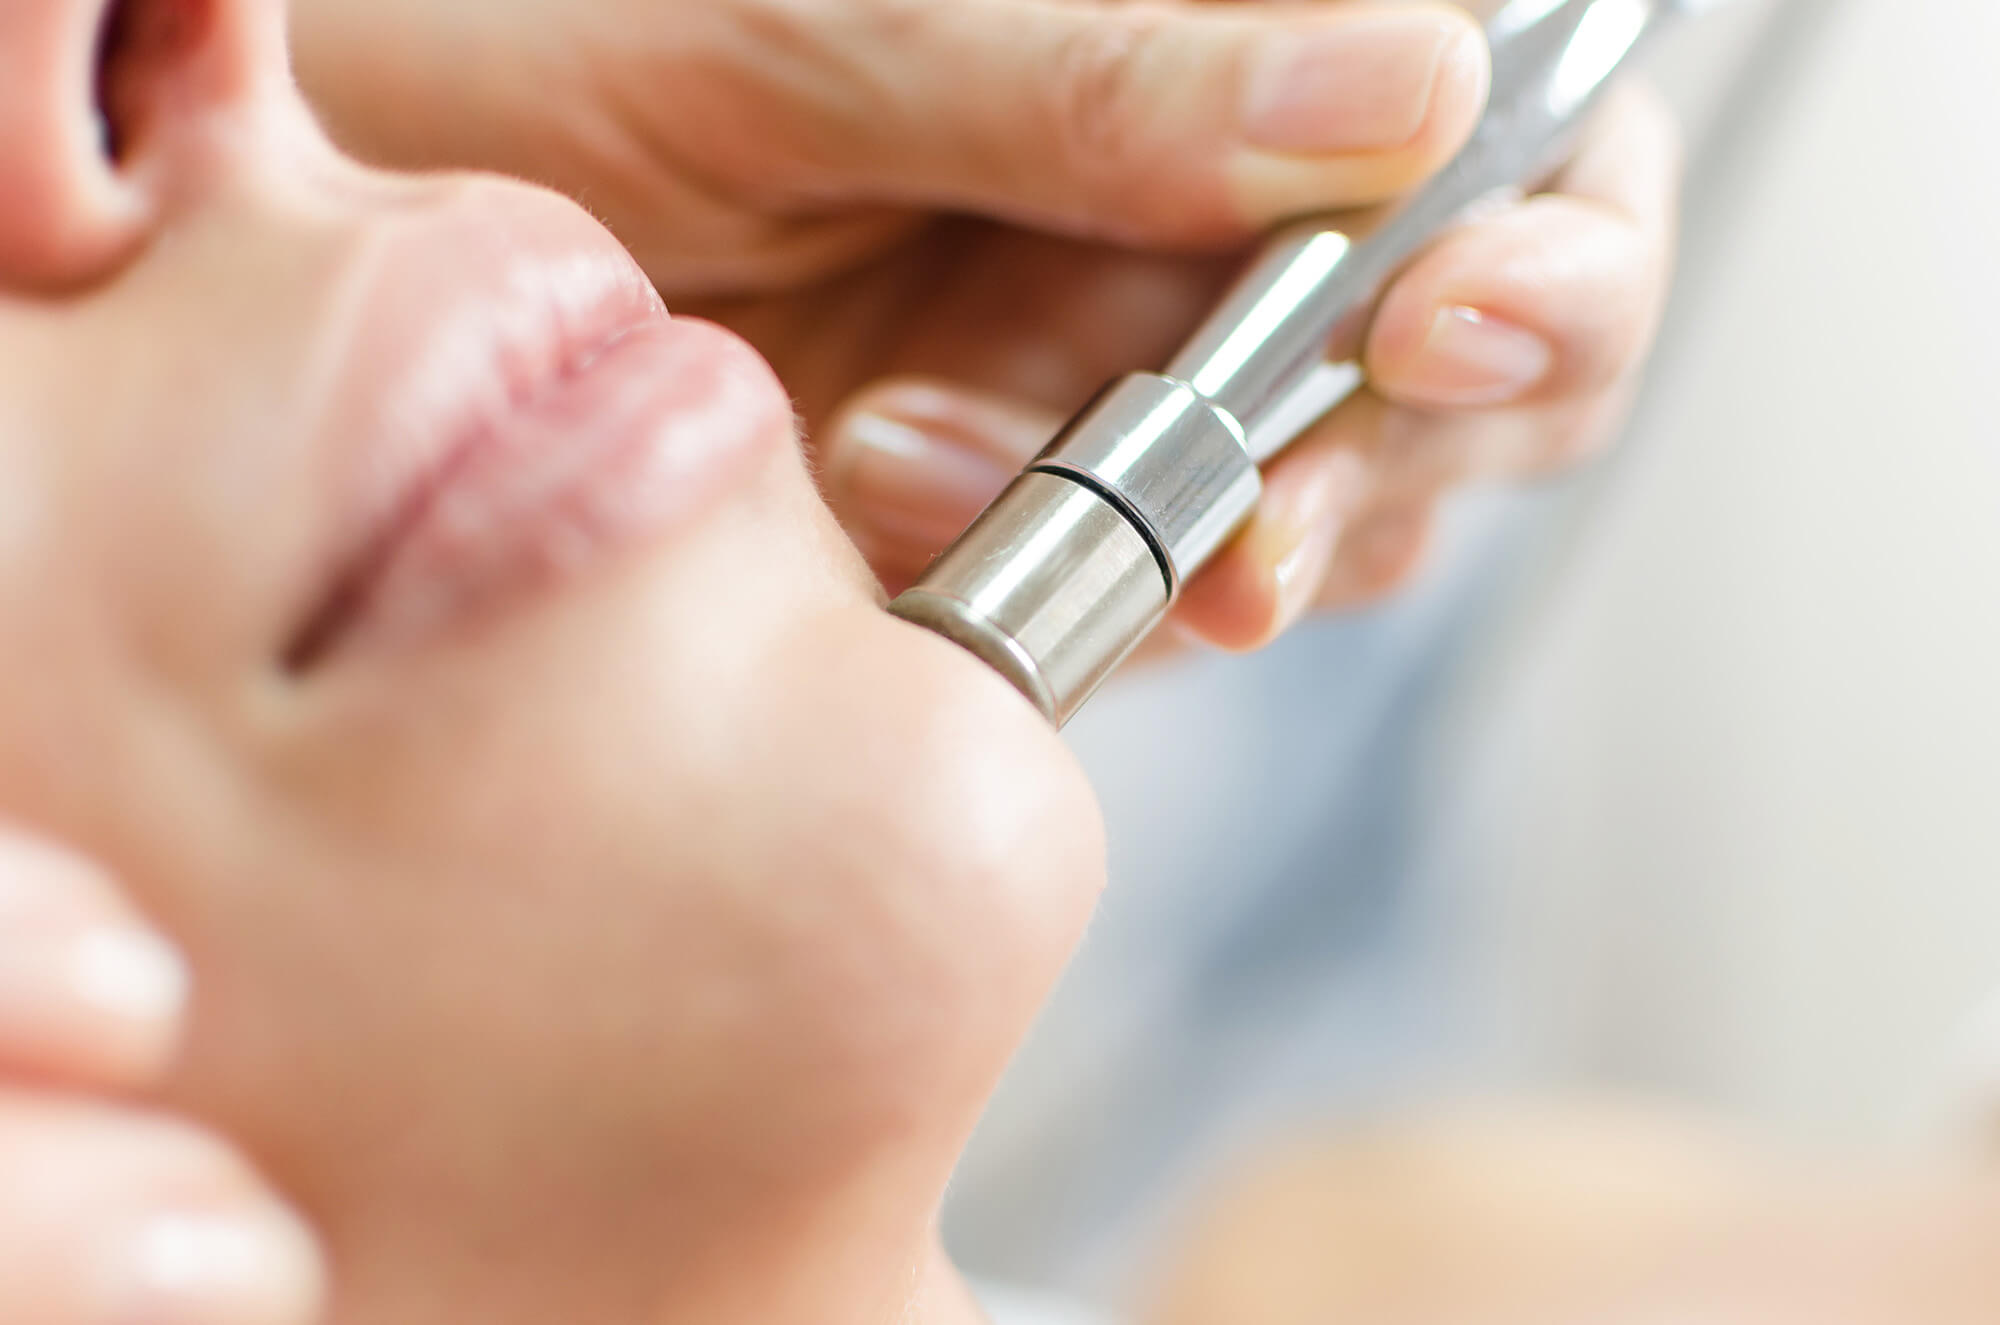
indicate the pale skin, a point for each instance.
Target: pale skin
{"x":648,"y":954}
{"x":603,"y":959}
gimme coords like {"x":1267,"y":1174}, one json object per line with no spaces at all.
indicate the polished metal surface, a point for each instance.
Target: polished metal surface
{"x":1052,"y":587}
{"x":1306,"y":302}
{"x":1167,"y":463}
{"x":1178,"y":465}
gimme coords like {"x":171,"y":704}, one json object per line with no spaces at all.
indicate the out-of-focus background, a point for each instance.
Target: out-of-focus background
{"x":1682,"y":775}
{"x":1733,"y":815}
{"x":1732,"y":826}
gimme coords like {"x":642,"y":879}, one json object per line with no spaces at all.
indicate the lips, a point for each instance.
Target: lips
{"x":524,"y":412}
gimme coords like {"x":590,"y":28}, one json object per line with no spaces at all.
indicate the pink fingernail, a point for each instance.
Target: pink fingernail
{"x":77,"y":990}
{"x":1355,"y":85}
{"x":127,"y":973}
{"x":249,"y":1265}
{"x":1472,"y":361}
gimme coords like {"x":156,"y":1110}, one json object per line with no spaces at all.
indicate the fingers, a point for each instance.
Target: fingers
{"x":108,"y":1216}
{"x":1513,"y":346}
{"x":1398,"y":466}
{"x":111,"y":1218}
{"x":1145,"y":124}
{"x":1346,"y":518}
{"x":1266,"y":579}
{"x":1554,"y":300}
{"x":89,"y":996}
{"x":910,"y":463}
{"x":1347,"y":514}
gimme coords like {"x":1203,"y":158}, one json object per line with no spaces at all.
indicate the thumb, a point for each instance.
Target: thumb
{"x":1152,"y":123}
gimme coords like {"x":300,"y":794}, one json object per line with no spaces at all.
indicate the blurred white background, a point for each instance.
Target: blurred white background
{"x":1732,"y":822}
{"x":1713,"y":806}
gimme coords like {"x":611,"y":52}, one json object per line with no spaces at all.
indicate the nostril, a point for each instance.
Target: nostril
{"x":139,"y":41}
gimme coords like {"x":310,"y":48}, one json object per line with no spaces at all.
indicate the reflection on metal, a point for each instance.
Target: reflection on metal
{"x":1605,"y":37}
{"x":1167,"y":463}
{"x":1235,"y":356}
{"x":1514,"y":19}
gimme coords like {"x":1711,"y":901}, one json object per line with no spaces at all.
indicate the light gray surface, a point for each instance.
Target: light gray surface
{"x":1736,"y":816}
{"x":1009,"y":1306}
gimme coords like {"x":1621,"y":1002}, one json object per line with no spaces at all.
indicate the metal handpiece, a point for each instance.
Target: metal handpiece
{"x":1078,"y":561}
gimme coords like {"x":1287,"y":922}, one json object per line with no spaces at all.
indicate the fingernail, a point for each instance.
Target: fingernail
{"x":247,"y":1267}
{"x":1358,"y":85}
{"x":915,"y":485}
{"x":1472,"y":361}
{"x":107,"y":995}
{"x":127,"y":973}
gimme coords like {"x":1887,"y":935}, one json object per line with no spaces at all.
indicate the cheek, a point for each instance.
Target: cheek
{"x":718,"y":880}
{"x":938,"y":853}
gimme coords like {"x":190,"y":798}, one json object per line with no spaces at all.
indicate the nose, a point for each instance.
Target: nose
{"x":105,"y":106}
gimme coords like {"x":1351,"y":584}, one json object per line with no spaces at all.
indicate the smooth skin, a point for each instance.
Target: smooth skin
{"x":642,"y":952}
{"x":804,"y":168}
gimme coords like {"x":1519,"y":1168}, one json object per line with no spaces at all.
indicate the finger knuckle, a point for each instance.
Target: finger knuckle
{"x":1093,"y":87}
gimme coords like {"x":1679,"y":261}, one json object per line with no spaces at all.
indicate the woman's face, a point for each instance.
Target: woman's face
{"x":599,"y":908}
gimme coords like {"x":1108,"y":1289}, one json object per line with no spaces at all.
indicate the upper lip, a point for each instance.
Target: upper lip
{"x":435,"y":358}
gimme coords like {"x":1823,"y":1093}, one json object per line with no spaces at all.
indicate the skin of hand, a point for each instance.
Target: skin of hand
{"x":1579,"y":1214}
{"x":110,"y":1212}
{"x":803,"y":171}
{"x":595,"y":908}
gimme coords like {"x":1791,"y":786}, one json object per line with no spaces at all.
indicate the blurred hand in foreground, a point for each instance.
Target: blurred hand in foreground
{"x":1582,"y":1216}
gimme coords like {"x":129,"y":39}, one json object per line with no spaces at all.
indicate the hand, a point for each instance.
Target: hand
{"x":1512,"y":348}
{"x":764,"y":145}
{"x":1612,"y":1216}
{"x":109,"y":1212}
{"x":787,"y":168}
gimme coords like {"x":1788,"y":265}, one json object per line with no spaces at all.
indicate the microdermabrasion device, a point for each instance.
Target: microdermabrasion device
{"x":1085,"y":553}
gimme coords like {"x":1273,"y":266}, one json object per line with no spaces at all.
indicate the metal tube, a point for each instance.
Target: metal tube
{"x":1084,"y":555}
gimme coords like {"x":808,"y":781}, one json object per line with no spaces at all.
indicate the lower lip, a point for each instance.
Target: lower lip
{"x":605,"y":459}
